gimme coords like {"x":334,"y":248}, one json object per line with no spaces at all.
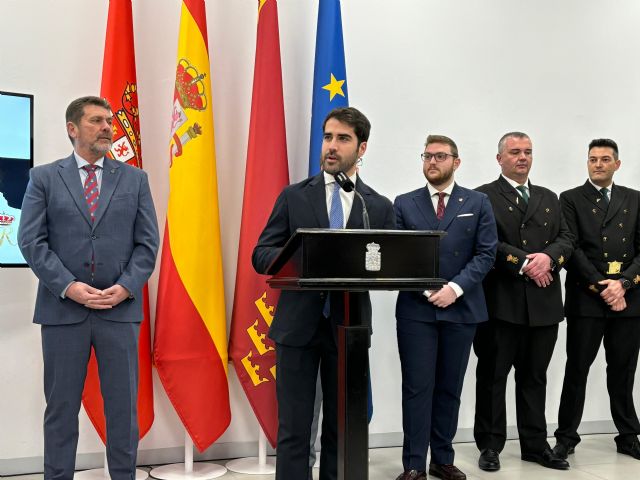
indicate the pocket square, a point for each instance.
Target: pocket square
{"x":466,"y":215}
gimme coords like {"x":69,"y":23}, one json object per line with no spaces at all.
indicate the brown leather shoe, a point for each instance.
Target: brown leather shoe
{"x":446,"y":472}
{"x":412,"y":475}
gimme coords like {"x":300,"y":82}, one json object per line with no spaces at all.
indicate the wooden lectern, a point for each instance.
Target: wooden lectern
{"x":355,"y":261}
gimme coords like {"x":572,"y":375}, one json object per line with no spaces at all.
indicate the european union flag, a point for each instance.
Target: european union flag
{"x":329,"y":75}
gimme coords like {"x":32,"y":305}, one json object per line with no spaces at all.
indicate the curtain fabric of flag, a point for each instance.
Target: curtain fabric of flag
{"x":329,"y":76}
{"x":119,"y":88}
{"x":267,"y":173}
{"x":190,"y":343}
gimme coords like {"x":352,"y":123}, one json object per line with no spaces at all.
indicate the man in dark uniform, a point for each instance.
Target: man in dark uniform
{"x":602,"y":297}
{"x":524,"y":300}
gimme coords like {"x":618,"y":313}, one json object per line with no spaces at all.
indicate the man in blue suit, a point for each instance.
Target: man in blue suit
{"x":89,"y":233}
{"x":436,"y":328}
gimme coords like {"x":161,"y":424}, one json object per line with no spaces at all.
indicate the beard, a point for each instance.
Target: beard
{"x":101,"y":148}
{"x":342,"y":164}
{"x":439,"y":177}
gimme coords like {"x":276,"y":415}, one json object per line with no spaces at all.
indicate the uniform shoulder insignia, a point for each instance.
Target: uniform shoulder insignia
{"x":513,"y":259}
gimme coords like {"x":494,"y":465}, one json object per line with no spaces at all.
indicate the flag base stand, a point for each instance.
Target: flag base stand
{"x":199,"y":471}
{"x":252,"y":466}
{"x":188,"y":470}
{"x":259,"y":465}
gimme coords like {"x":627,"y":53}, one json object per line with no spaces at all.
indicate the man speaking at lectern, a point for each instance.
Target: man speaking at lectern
{"x":304,"y":326}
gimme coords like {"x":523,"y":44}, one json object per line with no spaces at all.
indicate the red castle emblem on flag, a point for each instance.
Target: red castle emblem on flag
{"x":189,"y":94}
{"x":126,"y":128}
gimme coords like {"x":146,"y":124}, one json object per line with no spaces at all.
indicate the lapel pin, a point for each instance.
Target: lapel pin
{"x":594,"y":210}
{"x":460,"y":199}
{"x":511,"y":209}
{"x":113,"y":170}
{"x":547,"y":210}
{"x":598,"y":199}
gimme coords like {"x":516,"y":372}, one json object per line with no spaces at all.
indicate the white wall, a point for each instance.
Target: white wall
{"x":565,"y":72}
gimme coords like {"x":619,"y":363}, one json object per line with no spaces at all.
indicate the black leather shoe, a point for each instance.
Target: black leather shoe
{"x":547,"y":459}
{"x":412,"y":475}
{"x":446,"y":472}
{"x":632,"y":449}
{"x":489,"y":460}
{"x":562,"y":450}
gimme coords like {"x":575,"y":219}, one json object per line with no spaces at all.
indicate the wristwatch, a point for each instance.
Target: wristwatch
{"x":626,"y":284}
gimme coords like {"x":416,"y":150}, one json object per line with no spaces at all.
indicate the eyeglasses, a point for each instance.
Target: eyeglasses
{"x":439,"y":156}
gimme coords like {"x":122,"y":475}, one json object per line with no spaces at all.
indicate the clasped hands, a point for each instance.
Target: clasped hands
{"x":613,"y":294}
{"x":94,"y":298}
{"x":538,"y":269}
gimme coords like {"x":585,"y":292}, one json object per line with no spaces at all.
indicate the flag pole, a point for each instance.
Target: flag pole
{"x":188,"y":470}
{"x":260,"y":465}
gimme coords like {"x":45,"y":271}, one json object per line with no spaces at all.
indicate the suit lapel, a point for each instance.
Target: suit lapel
{"x":457,"y":199}
{"x":535,"y":197}
{"x":318,"y":200}
{"x":110,"y":179}
{"x":71,"y":178}
{"x":425,"y":206}
{"x":511,"y":194}
{"x":618,"y":197}
{"x":593,"y":196}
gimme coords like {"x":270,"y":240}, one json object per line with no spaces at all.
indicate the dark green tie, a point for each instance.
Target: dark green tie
{"x":523,"y":190}
{"x":604,"y":191}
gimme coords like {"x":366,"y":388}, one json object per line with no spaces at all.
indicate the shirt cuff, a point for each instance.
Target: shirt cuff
{"x":64,"y":292}
{"x":456,"y":288}
{"x":526,"y":262}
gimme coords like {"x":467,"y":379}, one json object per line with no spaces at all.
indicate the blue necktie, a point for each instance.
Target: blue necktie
{"x":336,"y":216}
{"x":336,"y":220}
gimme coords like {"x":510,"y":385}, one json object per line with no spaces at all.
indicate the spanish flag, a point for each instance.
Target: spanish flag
{"x":120,"y":88}
{"x":267,"y":173}
{"x":190,"y":344}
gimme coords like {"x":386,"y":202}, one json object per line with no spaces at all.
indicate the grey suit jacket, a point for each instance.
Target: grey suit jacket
{"x":59,"y":240}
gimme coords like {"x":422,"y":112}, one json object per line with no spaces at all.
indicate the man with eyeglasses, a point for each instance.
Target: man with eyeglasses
{"x":436,"y":328}
{"x":602,"y":301}
{"x":524,"y":299}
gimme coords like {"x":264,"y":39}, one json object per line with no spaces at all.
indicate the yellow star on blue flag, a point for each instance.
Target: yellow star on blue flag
{"x":334,"y":87}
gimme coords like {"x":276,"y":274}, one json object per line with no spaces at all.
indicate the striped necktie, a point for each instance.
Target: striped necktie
{"x":525,"y":194}
{"x":91,"y":193}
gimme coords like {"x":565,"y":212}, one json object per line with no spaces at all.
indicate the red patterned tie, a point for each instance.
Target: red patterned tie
{"x":440,"y":212}
{"x":91,"y":192}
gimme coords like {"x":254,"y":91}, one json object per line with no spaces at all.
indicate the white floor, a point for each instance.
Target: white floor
{"x":595,"y":459}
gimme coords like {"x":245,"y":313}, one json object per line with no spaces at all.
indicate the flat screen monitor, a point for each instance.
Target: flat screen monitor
{"x":16,"y":158}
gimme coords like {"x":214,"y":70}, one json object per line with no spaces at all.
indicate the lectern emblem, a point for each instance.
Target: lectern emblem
{"x":373,"y":258}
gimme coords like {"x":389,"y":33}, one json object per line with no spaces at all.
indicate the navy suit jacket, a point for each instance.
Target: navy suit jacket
{"x":58,"y":238}
{"x":467,"y":252}
{"x":304,"y":205}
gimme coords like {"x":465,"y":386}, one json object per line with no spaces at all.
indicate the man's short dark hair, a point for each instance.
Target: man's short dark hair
{"x":605,"y":142}
{"x":443,"y":139}
{"x":503,"y":139}
{"x":75,"y":110}
{"x":352,"y":117}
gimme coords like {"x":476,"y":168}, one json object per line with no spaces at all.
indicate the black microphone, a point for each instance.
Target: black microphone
{"x":347,"y":185}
